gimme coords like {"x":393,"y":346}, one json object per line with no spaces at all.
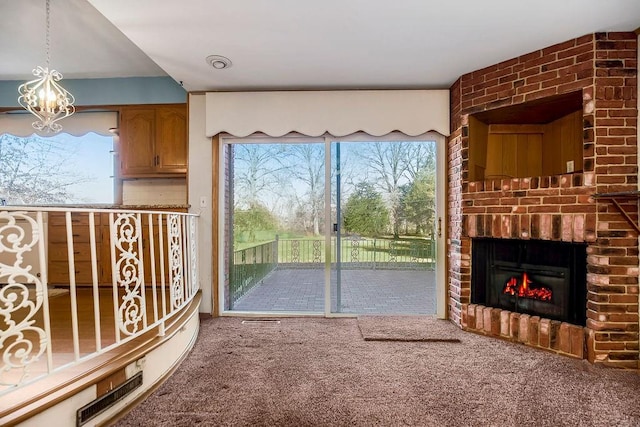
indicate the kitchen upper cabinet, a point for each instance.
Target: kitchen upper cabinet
{"x":171,"y":139}
{"x":153,"y":141}
{"x":137,"y":141}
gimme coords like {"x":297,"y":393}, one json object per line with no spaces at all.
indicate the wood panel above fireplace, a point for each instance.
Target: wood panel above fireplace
{"x":540,"y":138}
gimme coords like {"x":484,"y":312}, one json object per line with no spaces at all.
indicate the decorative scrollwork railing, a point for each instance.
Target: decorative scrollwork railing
{"x":355,"y":248}
{"x":176,"y":260}
{"x":129,"y":271}
{"x":110,"y":274}
{"x":23,"y":340}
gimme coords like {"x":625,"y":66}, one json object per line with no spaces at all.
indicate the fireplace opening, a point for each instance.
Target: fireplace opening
{"x":537,"y":277}
{"x":523,"y":287}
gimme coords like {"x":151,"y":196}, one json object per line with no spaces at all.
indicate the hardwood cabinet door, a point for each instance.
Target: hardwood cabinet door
{"x":106,"y":278}
{"x":171,"y":139}
{"x":494,"y":169}
{"x":59,"y":273}
{"x":137,"y":141}
{"x":58,"y":256}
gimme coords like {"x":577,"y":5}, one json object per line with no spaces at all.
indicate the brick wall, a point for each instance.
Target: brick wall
{"x":561,"y":207}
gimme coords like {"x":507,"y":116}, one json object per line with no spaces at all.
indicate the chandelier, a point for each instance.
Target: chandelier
{"x":44,"y":97}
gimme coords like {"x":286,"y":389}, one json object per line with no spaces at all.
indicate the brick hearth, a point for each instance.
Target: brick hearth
{"x":603,"y":67}
{"x":552,"y":335}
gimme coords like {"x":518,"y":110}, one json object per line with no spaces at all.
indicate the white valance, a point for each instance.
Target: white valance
{"x":338,"y":113}
{"x":19,"y":124}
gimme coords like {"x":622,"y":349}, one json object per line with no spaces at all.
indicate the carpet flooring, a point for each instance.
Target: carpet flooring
{"x":321,"y":372}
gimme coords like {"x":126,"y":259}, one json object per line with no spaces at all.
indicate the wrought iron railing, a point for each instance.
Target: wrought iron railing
{"x":127,"y":273}
{"x":250,"y":266}
{"x":359,"y":252}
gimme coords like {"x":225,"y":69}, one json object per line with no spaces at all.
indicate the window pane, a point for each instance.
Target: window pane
{"x":60,"y":169}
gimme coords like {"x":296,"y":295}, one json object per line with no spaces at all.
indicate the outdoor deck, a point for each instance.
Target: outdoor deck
{"x":363,"y":292}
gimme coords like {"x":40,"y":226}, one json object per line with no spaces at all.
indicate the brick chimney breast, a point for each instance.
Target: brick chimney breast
{"x":601,"y":71}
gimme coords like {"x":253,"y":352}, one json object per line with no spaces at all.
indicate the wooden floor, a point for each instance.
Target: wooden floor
{"x":62,"y":336}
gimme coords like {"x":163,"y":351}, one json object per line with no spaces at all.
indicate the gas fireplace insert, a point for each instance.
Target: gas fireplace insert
{"x":538,"y":277}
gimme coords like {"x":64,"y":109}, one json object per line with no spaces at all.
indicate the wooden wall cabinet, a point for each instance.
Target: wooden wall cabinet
{"x":58,"y":265}
{"x":153,"y":141}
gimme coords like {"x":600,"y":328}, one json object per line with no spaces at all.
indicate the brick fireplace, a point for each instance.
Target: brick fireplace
{"x":589,"y":83}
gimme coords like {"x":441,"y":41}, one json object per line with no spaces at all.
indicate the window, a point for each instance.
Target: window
{"x":66,"y":168}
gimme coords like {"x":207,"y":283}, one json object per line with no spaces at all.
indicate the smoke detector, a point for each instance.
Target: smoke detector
{"x":218,"y":62}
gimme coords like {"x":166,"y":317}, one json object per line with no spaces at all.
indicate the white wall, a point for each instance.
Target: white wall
{"x":155,"y":365}
{"x":200,"y":181}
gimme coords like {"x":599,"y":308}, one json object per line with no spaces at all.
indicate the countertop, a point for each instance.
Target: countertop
{"x":103,"y":206}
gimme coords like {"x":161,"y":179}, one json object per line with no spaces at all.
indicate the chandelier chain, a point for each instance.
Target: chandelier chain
{"x":47,"y":40}
{"x":44,"y":97}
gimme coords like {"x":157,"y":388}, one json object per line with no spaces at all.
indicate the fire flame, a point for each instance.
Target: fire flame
{"x":523,"y":290}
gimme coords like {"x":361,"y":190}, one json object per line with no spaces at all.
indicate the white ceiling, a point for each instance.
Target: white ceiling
{"x":294,"y":44}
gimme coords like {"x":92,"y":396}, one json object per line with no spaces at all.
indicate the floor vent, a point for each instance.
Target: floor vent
{"x":261,"y":322}
{"x":102,"y":403}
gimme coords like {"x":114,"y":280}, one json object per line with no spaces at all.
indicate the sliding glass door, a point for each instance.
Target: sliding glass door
{"x":383,"y":195}
{"x":275,"y":226}
{"x":330,"y":226}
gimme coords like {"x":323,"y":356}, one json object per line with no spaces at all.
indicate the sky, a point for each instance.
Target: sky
{"x":92,"y":156}
{"x":88,"y":157}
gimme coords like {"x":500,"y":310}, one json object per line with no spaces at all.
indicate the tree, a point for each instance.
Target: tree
{"x":418,"y":196}
{"x":389,"y":162}
{"x":305,"y":162}
{"x":36,"y":170}
{"x":248,"y":221}
{"x":418,"y":202}
{"x":420,"y":156}
{"x":365,"y":212}
{"x":256,"y":174}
